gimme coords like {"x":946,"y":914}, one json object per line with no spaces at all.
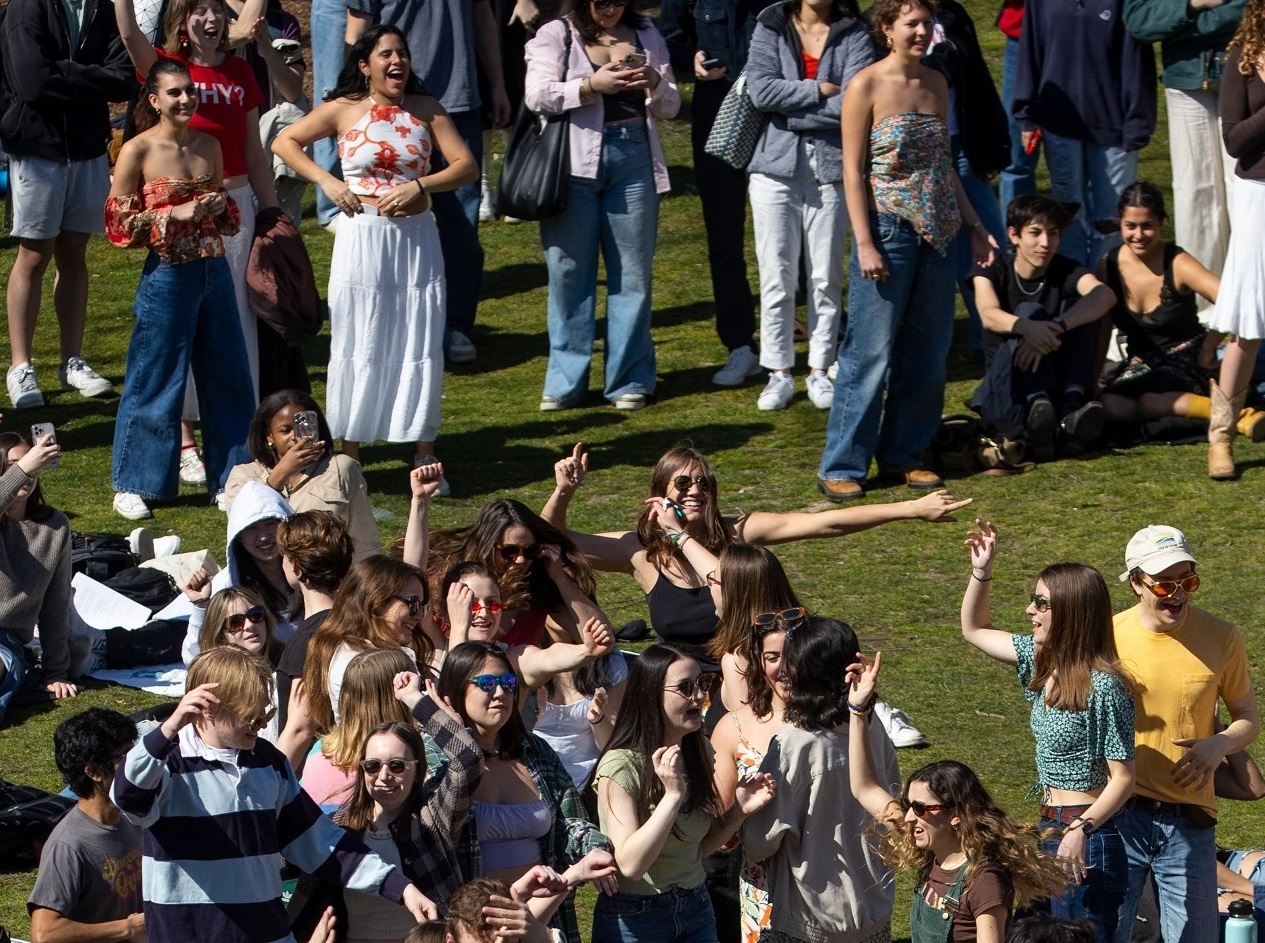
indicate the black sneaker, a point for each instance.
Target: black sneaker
{"x":1042,"y":424}
{"x":1085,"y":423}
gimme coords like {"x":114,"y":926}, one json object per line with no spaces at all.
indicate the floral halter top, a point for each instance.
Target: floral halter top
{"x":911,"y":174}
{"x":386,"y":147}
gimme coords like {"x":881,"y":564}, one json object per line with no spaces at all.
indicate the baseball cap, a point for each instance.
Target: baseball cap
{"x":1154,"y":549}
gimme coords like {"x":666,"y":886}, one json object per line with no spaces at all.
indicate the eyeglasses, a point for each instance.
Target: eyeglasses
{"x":607,"y":4}
{"x":692,"y":686}
{"x":237,"y":621}
{"x":781,"y":617}
{"x":1162,"y":589}
{"x":511,"y":552}
{"x":489,"y":683}
{"x":682,"y":483}
{"x":1040,"y":603}
{"x":491,"y":608}
{"x":414,"y":603}
{"x":922,"y":809}
{"x":396,"y":766}
{"x":256,"y":724}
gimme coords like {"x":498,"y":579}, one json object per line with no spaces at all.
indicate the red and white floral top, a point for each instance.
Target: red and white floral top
{"x":144,"y":219}
{"x":386,"y":147}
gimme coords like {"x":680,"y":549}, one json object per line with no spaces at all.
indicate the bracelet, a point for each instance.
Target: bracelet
{"x":677,"y":536}
{"x":420,"y":189}
{"x":982,"y":579}
{"x":860,"y":711}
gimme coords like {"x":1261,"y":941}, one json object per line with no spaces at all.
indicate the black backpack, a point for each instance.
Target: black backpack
{"x":100,"y":556}
{"x":148,"y":586}
{"x":967,"y":444}
{"x":27,"y":816}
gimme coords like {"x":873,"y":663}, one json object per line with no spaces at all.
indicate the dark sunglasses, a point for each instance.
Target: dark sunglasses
{"x":782,"y":617}
{"x":607,"y":4}
{"x":237,"y":621}
{"x":256,"y":724}
{"x":1040,"y":603}
{"x":489,"y":683}
{"x":511,"y":552}
{"x":922,"y":809}
{"x":1165,"y":588}
{"x":396,"y":766}
{"x":492,"y":608}
{"x":682,"y":483}
{"x":414,"y":603}
{"x":692,"y":686}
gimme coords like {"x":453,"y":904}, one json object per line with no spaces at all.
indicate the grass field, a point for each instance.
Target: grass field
{"x":900,"y":586}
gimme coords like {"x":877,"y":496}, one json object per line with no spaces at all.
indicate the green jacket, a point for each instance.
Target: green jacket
{"x":1188,"y":38}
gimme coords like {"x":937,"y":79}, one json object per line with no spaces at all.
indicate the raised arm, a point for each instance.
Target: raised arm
{"x":862,"y":774}
{"x":763,"y":527}
{"x":577,"y":608}
{"x":139,"y":49}
{"x":424,"y":482}
{"x":977,"y":625}
{"x":638,"y":844}
{"x":538,"y":665}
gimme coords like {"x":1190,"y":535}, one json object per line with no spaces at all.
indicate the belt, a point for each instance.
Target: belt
{"x":1193,"y":814}
{"x":1064,"y":815}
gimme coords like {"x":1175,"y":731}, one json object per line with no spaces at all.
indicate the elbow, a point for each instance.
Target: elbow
{"x":632,"y":870}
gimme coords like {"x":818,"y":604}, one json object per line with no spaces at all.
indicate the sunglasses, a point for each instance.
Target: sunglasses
{"x":489,"y":683}
{"x":781,"y":617}
{"x":1165,"y":588}
{"x":1040,"y":603}
{"x":396,"y":766}
{"x":511,"y":552}
{"x":256,"y":724}
{"x":607,"y":4}
{"x":237,"y":621}
{"x":414,"y":603}
{"x":922,"y":809}
{"x":492,"y":608}
{"x":682,"y":483}
{"x":692,"y":686}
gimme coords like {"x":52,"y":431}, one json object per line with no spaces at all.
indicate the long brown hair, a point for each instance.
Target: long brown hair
{"x":752,"y":581}
{"x":356,"y":814}
{"x":1249,"y":38}
{"x":366,"y":699}
{"x":1081,"y":639}
{"x":659,"y":550}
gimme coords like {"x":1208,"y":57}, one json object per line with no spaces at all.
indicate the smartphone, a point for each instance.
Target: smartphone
{"x":633,"y":60}
{"x":711,"y":63}
{"x":306,"y":425}
{"x":676,"y":508}
{"x":41,"y":430}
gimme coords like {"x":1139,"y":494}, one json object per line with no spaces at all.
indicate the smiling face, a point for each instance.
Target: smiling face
{"x":932,"y":831}
{"x":260,"y":541}
{"x":694,"y":498}
{"x":682,"y":714}
{"x":912,"y":30}
{"x":771,"y":662}
{"x":488,"y":712}
{"x":1140,"y":229}
{"x":207,"y":26}
{"x":1040,"y":620}
{"x":1036,"y":244}
{"x":606,"y":15}
{"x":227,"y":731}
{"x":253,"y":633}
{"x":518,"y":541}
{"x":176,"y":98}
{"x":485,"y":625}
{"x":388,"y":67}
{"x":388,"y":790}
{"x":1168,"y":613}
{"x":398,"y":615}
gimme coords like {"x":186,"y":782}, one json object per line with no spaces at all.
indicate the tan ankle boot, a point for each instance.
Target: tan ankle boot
{"x":1251,"y":424}
{"x":1221,"y":432}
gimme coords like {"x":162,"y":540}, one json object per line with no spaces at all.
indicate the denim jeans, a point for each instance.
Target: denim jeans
{"x":329,"y":22}
{"x":618,"y":212}
{"x":13,"y":658}
{"x":906,"y":324}
{"x":979,"y":191}
{"x":1021,"y":176}
{"x":1094,"y":176}
{"x":457,"y":216}
{"x":1097,"y":898}
{"x":186,"y":315}
{"x":1182,"y":858}
{"x":678,"y":915}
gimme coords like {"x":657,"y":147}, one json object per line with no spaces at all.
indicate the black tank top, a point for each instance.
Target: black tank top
{"x":684,"y":616}
{"x":1174,"y":320}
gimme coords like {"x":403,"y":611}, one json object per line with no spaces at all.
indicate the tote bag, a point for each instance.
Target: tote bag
{"x":737,"y":127}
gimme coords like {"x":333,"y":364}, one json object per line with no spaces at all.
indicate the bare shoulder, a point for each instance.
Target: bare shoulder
{"x":424,"y":107}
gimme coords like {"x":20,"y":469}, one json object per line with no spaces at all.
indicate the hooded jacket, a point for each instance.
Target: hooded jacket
{"x":254,"y":503}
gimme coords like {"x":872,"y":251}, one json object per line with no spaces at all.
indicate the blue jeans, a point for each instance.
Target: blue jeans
{"x":618,"y":212}
{"x":905,"y":323}
{"x":1182,"y":857}
{"x":1097,"y":898}
{"x":979,"y":191}
{"x":1094,"y":176}
{"x":457,"y":216}
{"x":678,"y":915}
{"x":329,"y":21}
{"x":1021,"y":176}
{"x":186,"y":315}
{"x":13,"y":658}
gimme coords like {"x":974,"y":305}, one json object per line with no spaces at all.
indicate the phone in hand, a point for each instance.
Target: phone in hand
{"x":711,"y":62}
{"x":633,"y":60}
{"x":42,"y":430}
{"x":306,"y":425}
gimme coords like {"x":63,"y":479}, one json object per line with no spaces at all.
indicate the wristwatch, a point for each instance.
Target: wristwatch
{"x":1087,"y":826}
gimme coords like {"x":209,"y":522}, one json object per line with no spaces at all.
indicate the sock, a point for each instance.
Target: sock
{"x":1198,"y":407}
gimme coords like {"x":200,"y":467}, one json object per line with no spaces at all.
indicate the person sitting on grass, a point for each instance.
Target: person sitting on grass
{"x":1040,"y":312}
{"x":89,"y":882}
{"x":220,"y":808}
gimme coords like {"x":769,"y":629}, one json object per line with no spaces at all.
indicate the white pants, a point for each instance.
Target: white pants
{"x":790,"y":215}
{"x":1203,"y":176}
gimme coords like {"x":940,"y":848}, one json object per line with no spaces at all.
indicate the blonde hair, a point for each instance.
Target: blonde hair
{"x":244,"y":678}
{"x":215,"y":627}
{"x":366,"y":700}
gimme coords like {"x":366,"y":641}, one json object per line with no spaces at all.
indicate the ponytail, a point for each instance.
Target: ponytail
{"x":144,"y":116}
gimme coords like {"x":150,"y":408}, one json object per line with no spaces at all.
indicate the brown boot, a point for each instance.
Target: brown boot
{"x":1251,"y":424}
{"x":1221,"y":432}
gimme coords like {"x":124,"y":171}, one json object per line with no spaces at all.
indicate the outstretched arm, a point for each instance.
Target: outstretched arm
{"x":767,"y":528}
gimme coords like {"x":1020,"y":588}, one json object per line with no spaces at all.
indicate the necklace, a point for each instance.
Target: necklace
{"x":1019,"y":280}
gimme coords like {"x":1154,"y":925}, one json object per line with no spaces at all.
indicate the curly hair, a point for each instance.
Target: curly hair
{"x":884,"y":13}
{"x":1249,"y":38}
{"x":259,"y":437}
{"x":986,"y":833}
{"x":90,"y":738}
{"x":715,"y":537}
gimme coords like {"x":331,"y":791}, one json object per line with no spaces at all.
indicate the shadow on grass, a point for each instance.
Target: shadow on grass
{"x":512,"y":280}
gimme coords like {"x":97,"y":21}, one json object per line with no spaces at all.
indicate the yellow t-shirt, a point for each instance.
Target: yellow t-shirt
{"x":1180,"y":675}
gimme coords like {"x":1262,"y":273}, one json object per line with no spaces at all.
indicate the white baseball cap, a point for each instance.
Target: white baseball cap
{"x":1154,"y":549}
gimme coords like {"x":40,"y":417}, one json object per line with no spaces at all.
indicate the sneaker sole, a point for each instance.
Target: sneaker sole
{"x":469,"y":356}
{"x":90,"y":389}
{"x":133,"y":517}
{"x":717,"y":381}
{"x":192,"y":479}
{"x":633,"y":404}
{"x":1088,"y":426}
{"x":771,"y":407}
{"x":29,"y":401}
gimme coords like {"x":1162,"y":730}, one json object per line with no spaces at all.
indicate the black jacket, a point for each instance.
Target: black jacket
{"x":55,"y":100}
{"x":720,"y":28}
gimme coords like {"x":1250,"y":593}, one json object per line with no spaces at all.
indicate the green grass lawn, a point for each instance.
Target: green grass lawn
{"x":899,"y":586}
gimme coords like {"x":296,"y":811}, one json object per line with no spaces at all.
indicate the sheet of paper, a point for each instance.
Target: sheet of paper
{"x":179,"y":566}
{"x":95,"y":606}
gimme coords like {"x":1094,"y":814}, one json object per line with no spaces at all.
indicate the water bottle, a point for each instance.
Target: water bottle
{"x":1240,"y":926}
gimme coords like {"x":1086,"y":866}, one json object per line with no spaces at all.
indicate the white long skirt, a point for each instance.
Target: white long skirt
{"x":386,"y":313}
{"x":1241,"y":299}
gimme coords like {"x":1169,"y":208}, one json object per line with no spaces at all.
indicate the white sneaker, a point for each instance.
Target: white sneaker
{"x":742,"y":365}
{"x":460,"y":348}
{"x":131,"y":506}
{"x":832,"y":372}
{"x":142,"y":543}
{"x":332,"y":226}
{"x":192,"y":471}
{"x":167,"y":546}
{"x":821,"y":392}
{"x":75,"y":374}
{"x":24,"y":390}
{"x":221,"y":502}
{"x":512,"y":220}
{"x":487,"y":207}
{"x":444,"y":490}
{"x":896,"y":723}
{"x":777,"y":394}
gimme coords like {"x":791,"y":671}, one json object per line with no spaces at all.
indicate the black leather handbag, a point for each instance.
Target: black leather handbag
{"x":535,"y":175}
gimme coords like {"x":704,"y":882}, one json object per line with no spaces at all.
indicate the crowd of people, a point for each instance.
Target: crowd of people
{"x":438,"y":739}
